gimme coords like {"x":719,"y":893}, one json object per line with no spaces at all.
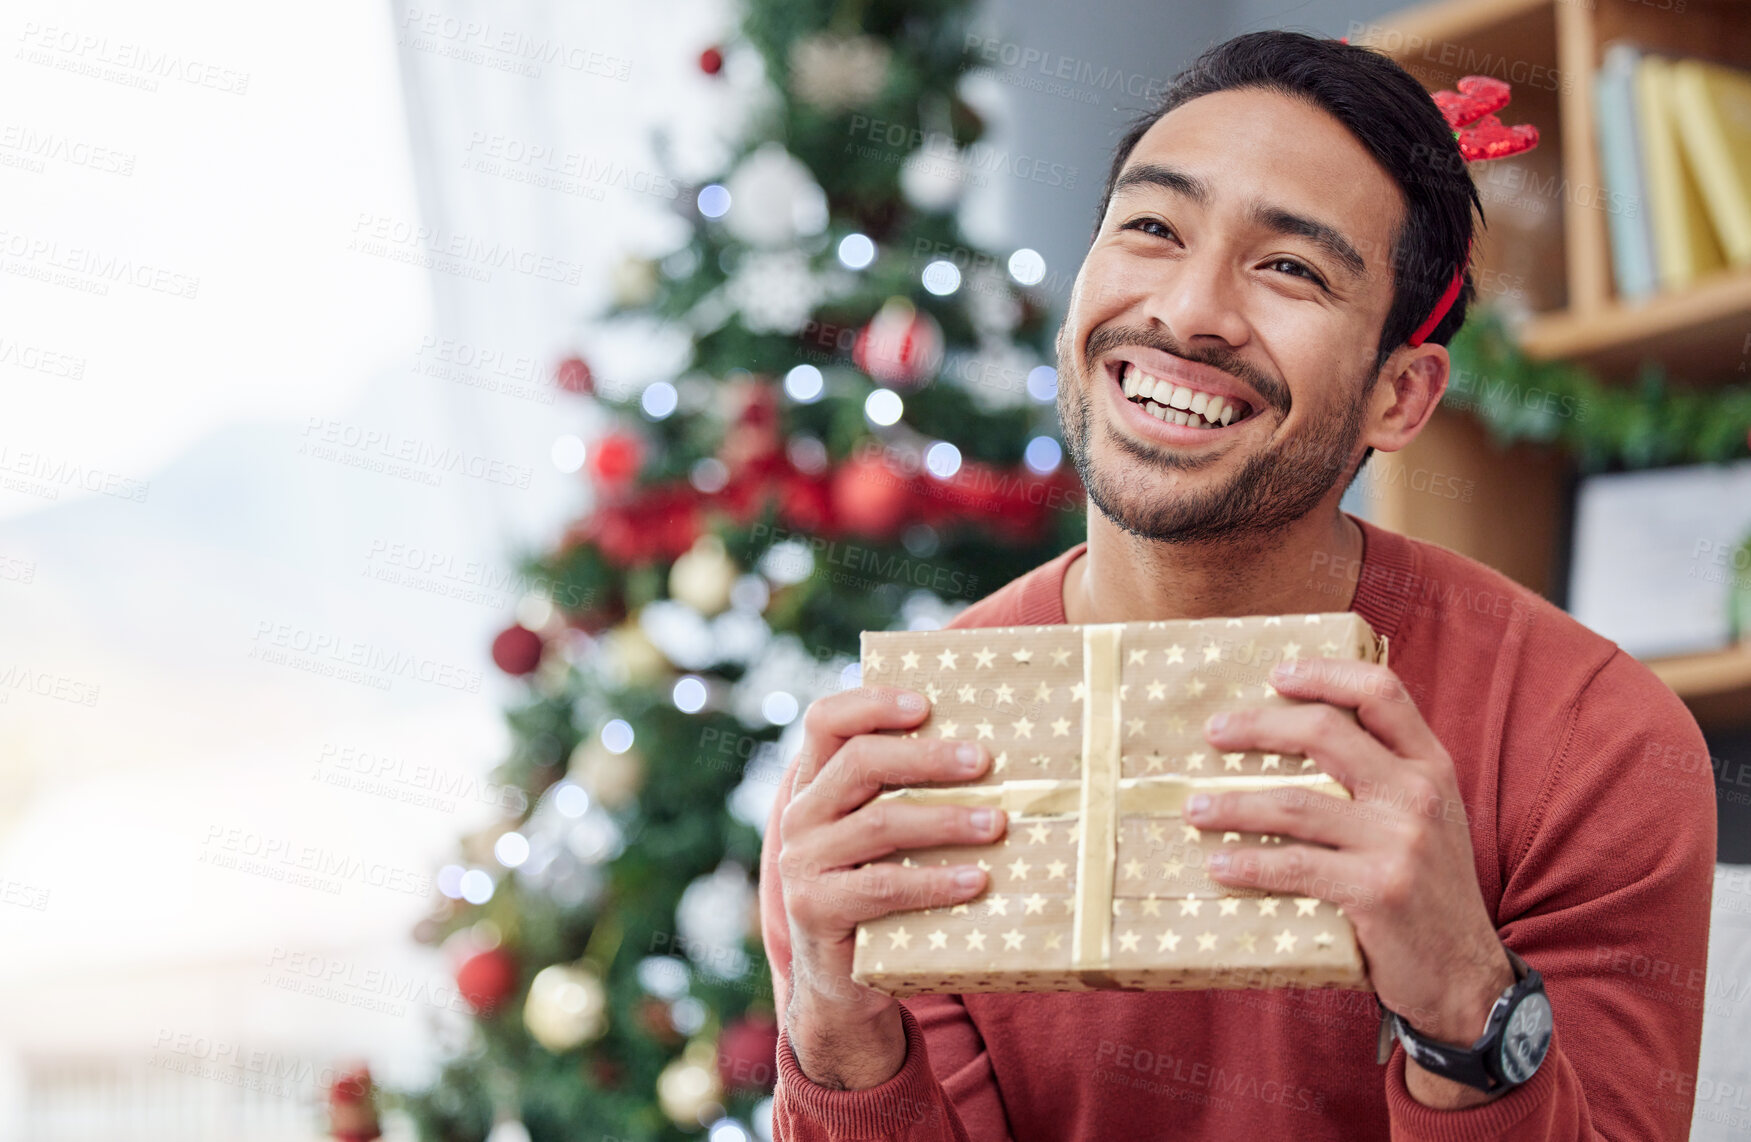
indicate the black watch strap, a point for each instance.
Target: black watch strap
{"x":1470,"y":1065}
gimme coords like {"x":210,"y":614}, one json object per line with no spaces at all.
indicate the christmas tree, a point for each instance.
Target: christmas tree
{"x":860,"y":439}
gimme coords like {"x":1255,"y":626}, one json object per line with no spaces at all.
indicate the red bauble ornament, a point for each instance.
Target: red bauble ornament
{"x":616,"y":459}
{"x":711,"y":61}
{"x":517,"y":650}
{"x":352,"y":1111}
{"x":487,"y":979}
{"x":870,"y":497}
{"x":900,"y":346}
{"x":573,"y":375}
{"x":747,"y":1054}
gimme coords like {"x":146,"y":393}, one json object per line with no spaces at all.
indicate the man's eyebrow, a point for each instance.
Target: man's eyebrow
{"x":1167,"y":178}
{"x":1328,"y":238}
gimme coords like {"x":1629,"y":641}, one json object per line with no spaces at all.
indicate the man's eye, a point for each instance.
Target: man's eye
{"x":1151,"y":226}
{"x":1291,"y":266}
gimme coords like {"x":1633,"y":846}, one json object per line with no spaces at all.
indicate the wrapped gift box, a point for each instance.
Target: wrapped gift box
{"x":1097,"y":735}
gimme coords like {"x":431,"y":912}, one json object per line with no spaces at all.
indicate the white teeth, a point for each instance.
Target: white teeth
{"x":1177,"y":404}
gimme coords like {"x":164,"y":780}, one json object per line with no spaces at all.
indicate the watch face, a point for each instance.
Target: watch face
{"x":1526,"y":1038}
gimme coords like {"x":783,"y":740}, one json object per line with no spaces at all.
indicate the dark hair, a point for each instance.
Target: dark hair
{"x":1391,"y":115}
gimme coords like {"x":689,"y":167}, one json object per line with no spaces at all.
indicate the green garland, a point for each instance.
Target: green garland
{"x":1648,"y":424}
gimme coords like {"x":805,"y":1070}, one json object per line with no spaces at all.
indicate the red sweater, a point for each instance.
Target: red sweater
{"x":1592,"y":816}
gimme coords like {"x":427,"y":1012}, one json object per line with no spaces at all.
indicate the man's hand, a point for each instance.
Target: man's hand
{"x":1397,"y":859}
{"x":845,"y":1035}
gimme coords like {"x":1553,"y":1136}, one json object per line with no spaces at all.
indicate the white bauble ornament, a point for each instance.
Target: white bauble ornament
{"x":933,"y":179}
{"x":712,"y":916}
{"x":704,"y":576}
{"x":774,"y":199}
{"x":567,"y":1007}
{"x":775,"y":291}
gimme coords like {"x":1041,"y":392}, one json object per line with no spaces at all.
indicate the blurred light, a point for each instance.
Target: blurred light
{"x":943,"y":459}
{"x":476,"y":886}
{"x":709,"y":475}
{"x":450,"y":881}
{"x":663,"y":976}
{"x":749,"y":593}
{"x":852,"y":676}
{"x":690,"y":695}
{"x":1044,"y":454}
{"x":659,"y":399}
{"x":762,"y":1116}
{"x":779,"y":708}
{"x":856,"y":251}
{"x":617,"y":736}
{"x":941,"y":277}
{"x":714,"y":201}
{"x":571,"y":800}
{"x":728,"y":1130}
{"x":1042,"y":383}
{"x":884,"y":407}
{"x":807,"y":453}
{"x":788,"y":561}
{"x":512,"y":850}
{"x":568,"y":453}
{"x":1027,"y":267}
{"x":804,"y":384}
{"x":688,"y":1015}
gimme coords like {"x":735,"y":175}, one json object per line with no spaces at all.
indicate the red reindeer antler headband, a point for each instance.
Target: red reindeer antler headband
{"x":1470,"y":111}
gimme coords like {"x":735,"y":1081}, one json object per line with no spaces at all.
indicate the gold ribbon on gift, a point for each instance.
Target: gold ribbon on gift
{"x":1101,"y":796}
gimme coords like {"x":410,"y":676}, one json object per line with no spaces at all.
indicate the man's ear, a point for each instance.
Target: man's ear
{"x":1405,"y":395}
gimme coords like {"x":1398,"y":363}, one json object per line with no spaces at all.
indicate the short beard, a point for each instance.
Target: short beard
{"x":1273,"y":489}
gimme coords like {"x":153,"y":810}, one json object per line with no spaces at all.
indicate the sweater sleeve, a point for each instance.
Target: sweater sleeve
{"x":1606,"y":892}
{"x":936,"y":1085}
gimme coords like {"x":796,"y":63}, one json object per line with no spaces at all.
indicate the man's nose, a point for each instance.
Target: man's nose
{"x":1200,"y":297}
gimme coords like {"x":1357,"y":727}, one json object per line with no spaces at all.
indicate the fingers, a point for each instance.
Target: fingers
{"x":869,"y":763}
{"x":832,"y":903}
{"x":1380,"y":700}
{"x":829,"y":722}
{"x":1296,"y":870}
{"x":1289,"y":811}
{"x":1333,"y":740}
{"x":884,"y":827}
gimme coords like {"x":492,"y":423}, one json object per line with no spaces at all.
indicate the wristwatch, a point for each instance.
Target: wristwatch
{"x":1515,"y":1038}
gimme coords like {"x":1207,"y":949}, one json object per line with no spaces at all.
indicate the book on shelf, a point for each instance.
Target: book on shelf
{"x":1620,"y":159}
{"x":1685,"y":245}
{"x":1711,"y":106}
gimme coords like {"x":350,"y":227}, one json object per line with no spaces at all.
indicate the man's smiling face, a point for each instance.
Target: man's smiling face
{"x":1217,"y":363}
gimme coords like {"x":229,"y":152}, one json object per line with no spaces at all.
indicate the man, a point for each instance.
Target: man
{"x":1271,"y":239}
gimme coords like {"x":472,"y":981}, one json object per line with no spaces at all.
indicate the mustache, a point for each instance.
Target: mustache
{"x":1110,"y":337}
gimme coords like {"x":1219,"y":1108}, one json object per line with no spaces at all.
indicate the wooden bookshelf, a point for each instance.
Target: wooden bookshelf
{"x":1546,"y":253}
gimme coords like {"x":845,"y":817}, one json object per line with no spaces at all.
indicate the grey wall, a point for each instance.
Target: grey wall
{"x":1076,"y":73}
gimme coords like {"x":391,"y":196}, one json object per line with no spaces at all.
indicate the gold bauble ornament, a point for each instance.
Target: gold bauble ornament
{"x":567,"y":1007}
{"x":702,"y":578}
{"x":613,"y":779}
{"x":687,"y":1086}
{"x":636,"y":656}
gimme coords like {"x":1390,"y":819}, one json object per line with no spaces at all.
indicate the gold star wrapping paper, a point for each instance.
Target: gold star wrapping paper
{"x":1097,"y":736}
